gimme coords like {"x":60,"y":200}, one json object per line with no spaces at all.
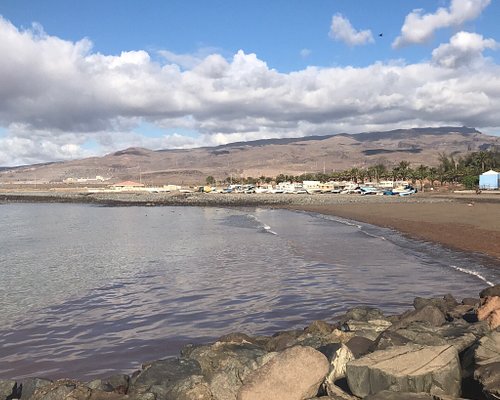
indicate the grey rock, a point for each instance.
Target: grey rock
{"x":160,"y":376}
{"x":337,"y":368}
{"x":57,"y":390}
{"x":236,"y":337}
{"x":410,"y":368}
{"x":118,"y":383}
{"x":369,"y":329}
{"x":488,"y":349}
{"x":388,"y":395}
{"x":445,"y":303}
{"x":225,"y":366}
{"x":294,"y":374}
{"x":488,"y":376}
{"x":360,"y":346}
{"x":363,"y":313}
{"x":388,"y":339}
{"x":283,"y":340}
{"x":194,"y":387}
{"x":7,"y":387}
{"x":491,"y":291}
{"x":319,"y":327}
{"x":32,"y":384}
{"x":428,"y":313}
{"x":471,"y":301}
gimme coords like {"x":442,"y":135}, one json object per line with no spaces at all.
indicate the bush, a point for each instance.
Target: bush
{"x":470,"y":181}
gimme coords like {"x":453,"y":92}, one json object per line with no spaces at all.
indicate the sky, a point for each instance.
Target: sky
{"x":86,"y":78}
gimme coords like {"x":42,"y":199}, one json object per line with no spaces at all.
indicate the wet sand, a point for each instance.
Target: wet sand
{"x":461,"y":224}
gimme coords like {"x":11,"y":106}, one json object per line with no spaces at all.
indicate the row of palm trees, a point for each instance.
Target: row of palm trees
{"x":465,"y":170}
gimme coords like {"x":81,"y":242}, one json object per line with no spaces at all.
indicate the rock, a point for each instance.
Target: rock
{"x":490,"y":292}
{"x":360,"y":346}
{"x":226,"y":365}
{"x":471,"y":301}
{"x":236,"y":337}
{"x":410,"y":368}
{"x":388,"y":395}
{"x":337,"y":368}
{"x":118,"y":383}
{"x":319,"y":327}
{"x":428,"y":313}
{"x":488,"y":349}
{"x":165,"y":372}
{"x":363,"y":313}
{"x":459,"y":311}
{"x":294,"y":374}
{"x":194,"y":387}
{"x":57,"y":390}
{"x":368,"y":329}
{"x":488,"y":376}
{"x":445,"y":304}
{"x":7,"y":388}
{"x":490,"y":311}
{"x":388,"y":339}
{"x":32,"y":384}
{"x":282,"y":340}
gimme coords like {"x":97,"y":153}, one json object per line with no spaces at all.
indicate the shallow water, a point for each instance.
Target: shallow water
{"x":87,"y":291}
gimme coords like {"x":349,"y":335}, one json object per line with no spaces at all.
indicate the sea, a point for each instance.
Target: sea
{"x":87,"y":291}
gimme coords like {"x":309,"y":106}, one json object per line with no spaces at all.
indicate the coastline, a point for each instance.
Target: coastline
{"x":464,"y":222}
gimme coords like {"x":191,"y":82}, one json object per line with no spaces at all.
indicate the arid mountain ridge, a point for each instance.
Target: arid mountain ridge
{"x":267,"y":157}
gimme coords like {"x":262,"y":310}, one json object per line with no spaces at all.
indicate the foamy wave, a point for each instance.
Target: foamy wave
{"x":474,"y":273}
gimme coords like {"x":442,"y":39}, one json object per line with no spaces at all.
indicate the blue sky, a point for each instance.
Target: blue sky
{"x":89,"y":77}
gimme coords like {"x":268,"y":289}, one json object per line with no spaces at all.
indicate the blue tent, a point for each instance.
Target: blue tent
{"x":489,"y":180}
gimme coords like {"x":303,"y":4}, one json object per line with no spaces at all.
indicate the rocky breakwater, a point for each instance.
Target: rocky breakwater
{"x":441,"y":349}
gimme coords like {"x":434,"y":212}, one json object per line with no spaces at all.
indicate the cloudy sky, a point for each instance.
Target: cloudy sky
{"x":82,"y":78}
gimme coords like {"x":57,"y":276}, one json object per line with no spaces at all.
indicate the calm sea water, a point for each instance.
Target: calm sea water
{"x":87,"y":291}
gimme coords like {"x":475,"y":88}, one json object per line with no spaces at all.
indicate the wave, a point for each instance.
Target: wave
{"x":473,"y":273}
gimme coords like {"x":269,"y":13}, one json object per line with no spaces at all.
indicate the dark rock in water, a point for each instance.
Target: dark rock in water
{"x":428,"y":313}
{"x":445,"y":304}
{"x":294,"y":374}
{"x":118,"y":383}
{"x":491,"y":291}
{"x":364,"y":314}
{"x":360,"y":346}
{"x":410,"y":368}
{"x":7,"y":388}
{"x":32,"y":384}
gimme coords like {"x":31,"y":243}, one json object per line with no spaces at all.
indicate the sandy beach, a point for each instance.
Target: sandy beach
{"x":466,"y":222}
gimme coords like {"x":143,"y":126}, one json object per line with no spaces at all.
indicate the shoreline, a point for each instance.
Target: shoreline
{"x":464,"y":222}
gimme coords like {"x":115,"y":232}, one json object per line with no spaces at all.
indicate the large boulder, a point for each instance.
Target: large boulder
{"x":294,"y":374}
{"x":410,"y":368}
{"x":226,"y":365}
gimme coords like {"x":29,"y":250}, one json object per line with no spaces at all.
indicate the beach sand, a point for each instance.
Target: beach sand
{"x":460,"y":224}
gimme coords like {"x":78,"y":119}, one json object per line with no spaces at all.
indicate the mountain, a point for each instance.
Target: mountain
{"x":268,"y":157}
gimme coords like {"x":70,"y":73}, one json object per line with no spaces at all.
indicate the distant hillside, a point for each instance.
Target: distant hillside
{"x":268,"y":157}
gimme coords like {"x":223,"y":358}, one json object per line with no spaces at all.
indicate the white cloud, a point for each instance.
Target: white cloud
{"x":304,"y":53}
{"x":342,"y":30}
{"x":57,"y":96}
{"x":419,"y":28}
{"x":464,"y":49}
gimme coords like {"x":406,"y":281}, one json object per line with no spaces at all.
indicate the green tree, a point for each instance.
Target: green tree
{"x":210,"y":180}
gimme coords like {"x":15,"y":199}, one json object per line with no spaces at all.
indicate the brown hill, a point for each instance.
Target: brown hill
{"x":264,"y":157}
